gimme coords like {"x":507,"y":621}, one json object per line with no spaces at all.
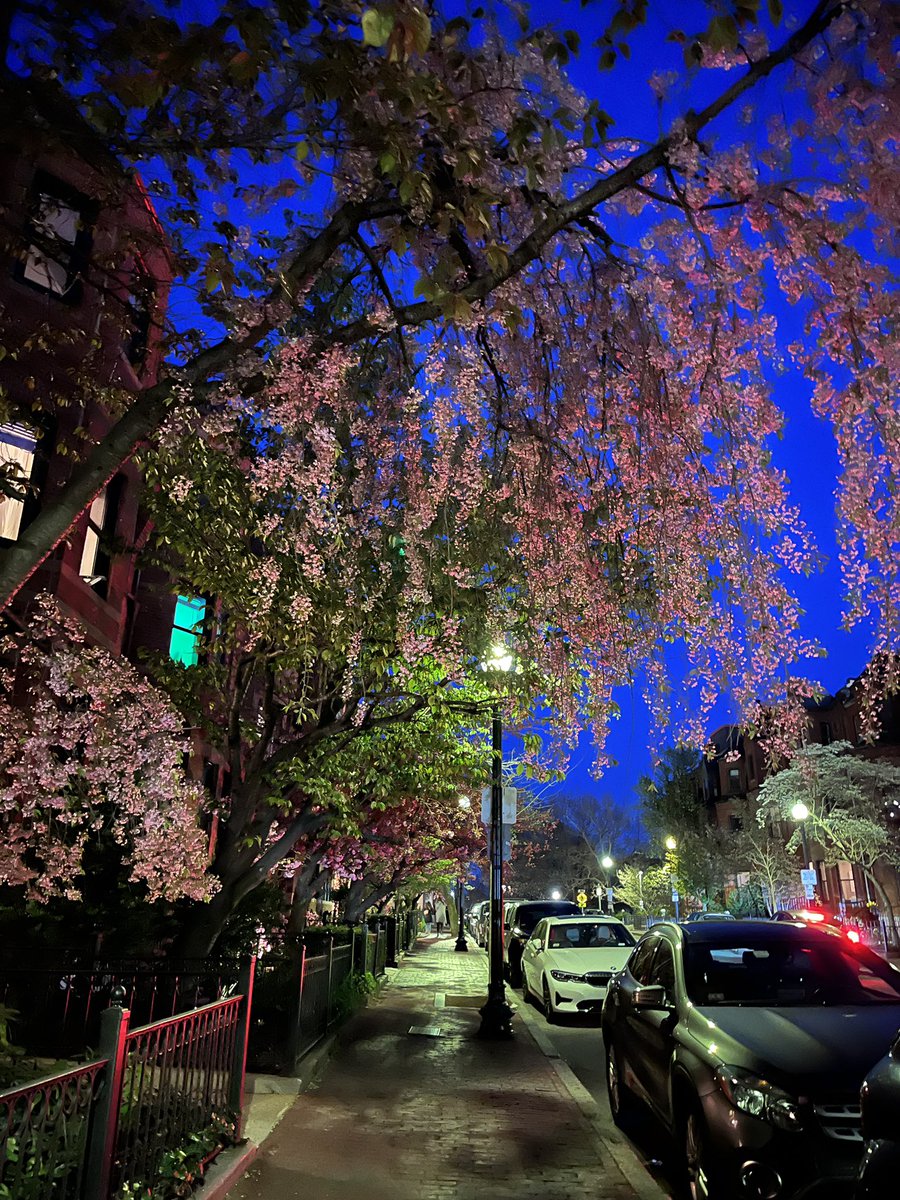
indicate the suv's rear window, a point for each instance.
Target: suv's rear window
{"x":527,"y":916}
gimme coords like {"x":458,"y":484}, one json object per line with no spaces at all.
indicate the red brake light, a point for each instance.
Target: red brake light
{"x":814,"y":918}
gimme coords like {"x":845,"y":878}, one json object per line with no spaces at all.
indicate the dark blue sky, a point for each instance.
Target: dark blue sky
{"x":807,"y":451}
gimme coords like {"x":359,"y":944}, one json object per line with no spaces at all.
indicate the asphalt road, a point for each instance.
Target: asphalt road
{"x":579,"y":1043}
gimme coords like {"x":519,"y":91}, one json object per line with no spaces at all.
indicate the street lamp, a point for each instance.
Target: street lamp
{"x":607,"y":864}
{"x":461,"y":943}
{"x":799,"y":813}
{"x":672,"y":846}
{"x":496,"y":1015}
{"x":556,"y":894}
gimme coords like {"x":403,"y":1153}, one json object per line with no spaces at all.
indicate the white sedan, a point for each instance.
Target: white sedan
{"x":568,"y":962}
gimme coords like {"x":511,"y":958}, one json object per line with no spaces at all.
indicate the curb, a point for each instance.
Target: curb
{"x":227,"y":1169}
{"x":634,"y":1171}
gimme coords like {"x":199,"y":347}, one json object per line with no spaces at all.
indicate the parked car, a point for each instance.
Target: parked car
{"x":710,"y":916}
{"x":475,"y":917}
{"x":879,"y":1174}
{"x":519,"y":924}
{"x":567,"y":962}
{"x":817,"y":916}
{"x":749,"y":1041}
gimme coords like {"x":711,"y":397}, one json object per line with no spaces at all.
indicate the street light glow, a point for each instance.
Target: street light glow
{"x":607,"y":863}
{"x":500,"y":658}
{"x":799,"y":812}
{"x":555,"y":895}
{"x":670,"y":843}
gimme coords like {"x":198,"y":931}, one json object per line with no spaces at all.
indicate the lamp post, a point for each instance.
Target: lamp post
{"x":461,"y":944}
{"x":496,"y":1015}
{"x":672,"y":846}
{"x":607,"y":863}
{"x":799,"y":813}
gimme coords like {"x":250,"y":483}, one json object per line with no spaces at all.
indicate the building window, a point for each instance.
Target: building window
{"x":138,"y":318}
{"x":18,"y":446}
{"x":102,"y":519}
{"x":825,"y":735}
{"x":847,"y":881}
{"x":736,"y":824}
{"x":734,"y":780}
{"x":187,"y":628}
{"x":60,"y":229}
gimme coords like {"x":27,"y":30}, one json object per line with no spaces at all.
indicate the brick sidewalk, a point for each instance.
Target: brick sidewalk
{"x":414,"y":1106}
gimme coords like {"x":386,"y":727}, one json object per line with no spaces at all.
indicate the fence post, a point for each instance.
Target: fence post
{"x":391,"y":957}
{"x":328,"y":990}
{"x":242,"y":1037}
{"x":105,"y":1122}
{"x":297,"y":1031}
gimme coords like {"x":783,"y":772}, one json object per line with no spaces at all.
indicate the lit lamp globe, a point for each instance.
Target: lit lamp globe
{"x":671,"y":843}
{"x":799,"y":812}
{"x":607,"y":863}
{"x":555,"y":894}
{"x":499,"y":659}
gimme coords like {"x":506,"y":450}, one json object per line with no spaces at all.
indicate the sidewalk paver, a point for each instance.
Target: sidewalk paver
{"x":414,"y":1106}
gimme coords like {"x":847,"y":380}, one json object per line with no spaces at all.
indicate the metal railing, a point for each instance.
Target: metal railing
{"x":85,"y":1133}
{"x":59,"y":1000}
{"x":44,"y":1131}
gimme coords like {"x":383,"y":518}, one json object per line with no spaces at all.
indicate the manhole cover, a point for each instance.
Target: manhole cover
{"x":425,"y":1030}
{"x":464,"y":1001}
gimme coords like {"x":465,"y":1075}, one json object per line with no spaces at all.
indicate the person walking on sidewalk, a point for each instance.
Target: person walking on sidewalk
{"x":440,"y":916}
{"x":428,"y":914}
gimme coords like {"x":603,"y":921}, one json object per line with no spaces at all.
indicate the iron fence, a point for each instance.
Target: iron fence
{"x":44,"y":1131}
{"x":87,"y":1133}
{"x":59,"y":1001}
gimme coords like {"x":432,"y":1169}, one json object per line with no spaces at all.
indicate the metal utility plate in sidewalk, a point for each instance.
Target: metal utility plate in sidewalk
{"x":425,"y":1030}
{"x":464,"y":1001}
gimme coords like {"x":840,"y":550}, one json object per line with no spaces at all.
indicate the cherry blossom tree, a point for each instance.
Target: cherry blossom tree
{"x":88,"y":750}
{"x":374,"y":172}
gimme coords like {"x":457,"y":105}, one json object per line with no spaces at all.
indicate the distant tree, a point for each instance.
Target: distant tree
{"x":646,"y":890}
{"x":759,"y":850}
{"x":603,"y":826}
{"x":848,"y":797}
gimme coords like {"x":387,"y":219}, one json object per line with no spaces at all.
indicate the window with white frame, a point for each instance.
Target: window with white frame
{"x":58,"y":236}
{"x":18,"y":446}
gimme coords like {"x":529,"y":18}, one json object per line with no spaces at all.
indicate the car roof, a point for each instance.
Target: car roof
{"x":760,"y":929}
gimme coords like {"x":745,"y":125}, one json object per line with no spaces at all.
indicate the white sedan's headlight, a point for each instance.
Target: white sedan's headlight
{"x":759,"y":1097}
{"x":566,"y":977}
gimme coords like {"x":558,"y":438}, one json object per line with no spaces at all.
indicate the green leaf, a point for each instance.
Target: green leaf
{"x":301,"y":151}
{"x":376,"y":27}
{"x":776,"y":11}
{"x":420,"y":23}
{"x":607,"y":60}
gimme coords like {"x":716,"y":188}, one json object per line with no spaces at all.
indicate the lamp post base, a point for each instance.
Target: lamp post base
{"x":496,"y":1019}
{"x":461,"y":943}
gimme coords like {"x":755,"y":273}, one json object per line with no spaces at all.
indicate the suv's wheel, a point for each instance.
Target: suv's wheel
{"x":622,"y":1102}
{"x":526,"y":990}
{"x":703,"y":1181}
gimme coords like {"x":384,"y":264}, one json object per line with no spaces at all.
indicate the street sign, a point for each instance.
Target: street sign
{"x":581,"y":898}
{"x":808,"y":877}
{"x":809,"y":889}
{"x":506,"y":844}
{"x":675,"y":895}
{"x":609,"y":898}
{"x":508,"y":816}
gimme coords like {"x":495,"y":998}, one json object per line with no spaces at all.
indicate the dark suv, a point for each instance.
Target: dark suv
{"x":519,"y":924}
{"x":749,"y":1040}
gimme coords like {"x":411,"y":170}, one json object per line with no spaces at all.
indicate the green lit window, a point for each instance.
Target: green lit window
{"x":187,"y":627}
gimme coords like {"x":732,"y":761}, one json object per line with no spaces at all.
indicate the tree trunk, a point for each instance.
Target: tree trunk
{"x":887,"y":908}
